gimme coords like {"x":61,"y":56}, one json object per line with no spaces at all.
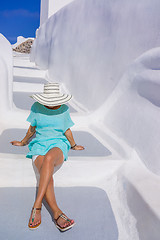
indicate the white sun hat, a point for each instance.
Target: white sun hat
{"x":51,"y":95}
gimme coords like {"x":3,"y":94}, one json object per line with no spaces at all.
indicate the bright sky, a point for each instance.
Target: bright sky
{"x":19,"y":18}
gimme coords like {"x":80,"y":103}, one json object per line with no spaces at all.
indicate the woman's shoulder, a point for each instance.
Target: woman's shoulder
{"x":35,"y":106}
{"x":65,"y":107}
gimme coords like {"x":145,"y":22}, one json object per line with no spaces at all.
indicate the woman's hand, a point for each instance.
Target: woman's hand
{"x":78,"y":147}
{"x":70,"y":138}
{"x":18,"y":143}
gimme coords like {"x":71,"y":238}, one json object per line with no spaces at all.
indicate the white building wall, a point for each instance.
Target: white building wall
{"x":44,"y":11}
{"x":6,"y":70}
{"x":49,"y":7}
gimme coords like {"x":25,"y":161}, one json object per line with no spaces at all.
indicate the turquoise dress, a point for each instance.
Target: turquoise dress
{"x":50,"y":128}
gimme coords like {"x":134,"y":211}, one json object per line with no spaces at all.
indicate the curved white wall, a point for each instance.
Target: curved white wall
{"x":135,"y":114}
{"x":92,"y":42}
{"x":91,"y":46}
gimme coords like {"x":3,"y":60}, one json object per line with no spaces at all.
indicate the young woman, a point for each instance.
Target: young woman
{"x":50,"y":120}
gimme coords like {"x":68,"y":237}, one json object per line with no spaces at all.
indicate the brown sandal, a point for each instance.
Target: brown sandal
{"x":63,"y":228}
{"x":33,"y":217}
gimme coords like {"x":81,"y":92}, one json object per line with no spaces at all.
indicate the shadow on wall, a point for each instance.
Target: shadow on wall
{"x":147,"y":222}
{"x":150,"y":91}
{"x":23,"y":100}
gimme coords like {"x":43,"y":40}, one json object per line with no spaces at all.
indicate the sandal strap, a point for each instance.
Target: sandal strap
{"x":37,"y":208}
{"x":63,"y":216}
{"x":34,"y":213}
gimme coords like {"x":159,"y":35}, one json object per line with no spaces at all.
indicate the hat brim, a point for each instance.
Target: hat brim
{"x":51,"y":100}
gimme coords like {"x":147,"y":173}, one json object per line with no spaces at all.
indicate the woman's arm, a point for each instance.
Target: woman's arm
{"x":70,"y":138}
{"x":31,"y":131}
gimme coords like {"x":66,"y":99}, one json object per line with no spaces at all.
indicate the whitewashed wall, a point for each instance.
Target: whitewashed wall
{"x":91,"y":47}
{"x":91,"y":43}
{"x":49,"y":7}
{"x":134,"y":110}
{"x":6,"y":70}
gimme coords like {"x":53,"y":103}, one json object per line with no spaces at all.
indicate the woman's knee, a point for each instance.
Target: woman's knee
{"x":49,"y":159}
{"x":54,"y":156}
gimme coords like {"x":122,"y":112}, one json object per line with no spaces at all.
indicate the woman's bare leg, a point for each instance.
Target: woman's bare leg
{"x":49,"y":194}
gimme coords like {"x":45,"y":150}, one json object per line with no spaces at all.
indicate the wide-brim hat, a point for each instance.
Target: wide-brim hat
{"x":51,"y":95}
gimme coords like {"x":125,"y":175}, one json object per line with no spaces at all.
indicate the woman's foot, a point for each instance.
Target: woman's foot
{"x":62,"y":221}
{"x":35,"y":218}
